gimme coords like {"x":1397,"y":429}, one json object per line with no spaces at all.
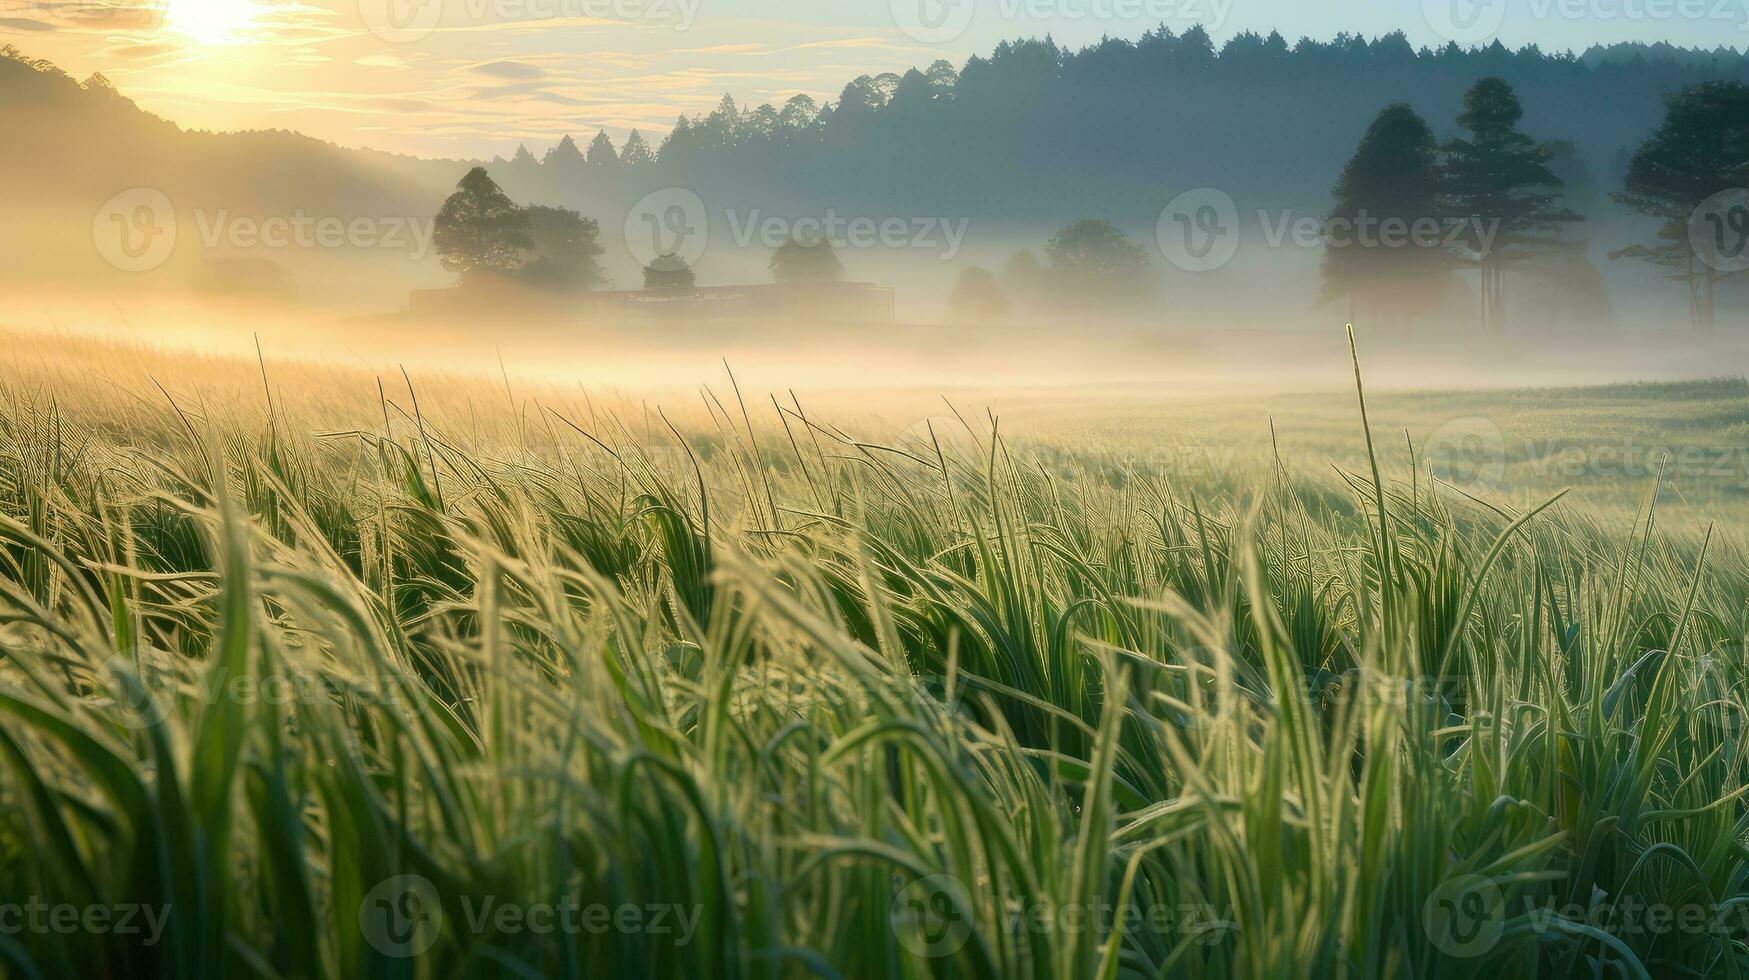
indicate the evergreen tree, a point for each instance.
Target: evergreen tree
{"x":636,"y":152}
{"x":563,"y":155}
{"x":1383,"y":240}
{"x":722,"y":128}
{"x":1498,"y":179}
{"x":1701,"y":150}
{"x":601,"y":155}
{"x":681,"y":143}
{"x":563,"y":165}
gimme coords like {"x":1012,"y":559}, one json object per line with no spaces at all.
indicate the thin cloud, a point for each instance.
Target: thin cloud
{"x":510,"y":69}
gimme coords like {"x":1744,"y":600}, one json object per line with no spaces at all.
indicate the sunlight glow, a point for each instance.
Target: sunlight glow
{"x":211,"y":22}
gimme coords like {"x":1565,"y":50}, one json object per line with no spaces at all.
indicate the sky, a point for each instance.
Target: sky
{"x":473,"y":78}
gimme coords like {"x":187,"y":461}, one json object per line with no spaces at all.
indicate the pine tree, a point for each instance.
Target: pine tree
{"x":563,"y":155}
{"x":682,"y":141}
{"x":636,"y":152}
{"x":601,"y":155}
{"x":1499,"y":181}
{"x":1701,"y":149}
{"x":1389,"y":188}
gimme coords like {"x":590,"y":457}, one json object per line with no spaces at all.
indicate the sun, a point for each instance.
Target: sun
{"x":211,"y":21}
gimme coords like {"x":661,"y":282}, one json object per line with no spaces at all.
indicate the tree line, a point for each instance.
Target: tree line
{"x":481,"y":234}
{"x":1493,"y":185}
{"x":1491,"y":198}
{"x":1015,"y":133}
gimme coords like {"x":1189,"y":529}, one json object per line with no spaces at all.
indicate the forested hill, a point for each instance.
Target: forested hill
{"x":1034,"y":133}
{"x":1039,"y":133}
{"x":72,"y":144}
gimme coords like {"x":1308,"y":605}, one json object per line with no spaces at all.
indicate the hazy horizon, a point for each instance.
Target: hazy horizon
{"x":483,"y":76}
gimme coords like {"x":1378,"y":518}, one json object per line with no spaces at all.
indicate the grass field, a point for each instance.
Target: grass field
{"x":302,"y":676}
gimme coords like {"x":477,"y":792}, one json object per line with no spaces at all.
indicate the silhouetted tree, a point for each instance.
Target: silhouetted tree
{"x":1093,"y":263}
{"x":1384,"y":243}
{"x":1701,"y":149}
{"x":562,"y":167}
{"x":668,"y":272}
{"x":942,"y":78}
{"x":564,"y":152}
{"x":562,"y":250}
{"x":1500,"y":181}
{"x":479,"y":229}
{"x":601,"y":155}
{"x":636,"y":152}
{"x":681,"y":143}
{"x":523,"y":165}
{"x":722,"y":127}
{"x":977,"y":296}
{"x":802,"y":262}
{"x":798,"y":116}
{"x":760,"y":125}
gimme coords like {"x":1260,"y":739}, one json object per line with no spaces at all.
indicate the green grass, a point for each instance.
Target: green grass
{"x":329,"y":685}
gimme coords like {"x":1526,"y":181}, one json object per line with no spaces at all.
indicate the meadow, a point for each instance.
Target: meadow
{"x":310,"y":673}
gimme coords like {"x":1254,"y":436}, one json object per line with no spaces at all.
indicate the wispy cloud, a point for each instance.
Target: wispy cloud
{"x":462,"y":89}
